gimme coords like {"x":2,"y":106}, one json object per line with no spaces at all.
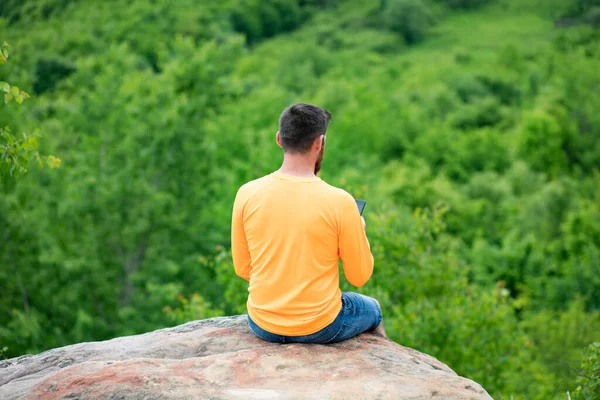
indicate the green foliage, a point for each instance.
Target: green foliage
{"x":589,"y":379}
{"x":485,"y":113}
{"x":466,"y":4}
{"x":48,"y":72}
{"x":196,"y":307}
{"x":592,"y":16}
{"x":476,"y":149}
{"x":234,"y":290}
{"x":15,"y":10}
{"x":560,"y":336}
{"x":261,"y":19}
{"x":16,"y":152}
{"x":559,"y":132}
{"x":409,"y":18}
{"x":576,"y":8}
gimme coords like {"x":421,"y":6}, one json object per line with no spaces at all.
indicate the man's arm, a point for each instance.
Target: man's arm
{"x":239,"y":244}
{"x":353,"y":245}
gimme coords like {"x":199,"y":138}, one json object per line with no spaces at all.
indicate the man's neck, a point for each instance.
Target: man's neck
{"x":297,"y":165}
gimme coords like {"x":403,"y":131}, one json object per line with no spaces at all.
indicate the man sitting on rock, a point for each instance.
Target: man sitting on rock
{"x":289,"y":230}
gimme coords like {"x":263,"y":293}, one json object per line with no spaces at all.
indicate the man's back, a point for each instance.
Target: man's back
{"x":288,"y":233}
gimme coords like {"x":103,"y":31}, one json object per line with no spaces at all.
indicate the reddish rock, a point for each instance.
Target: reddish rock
{"x":220,"y":358}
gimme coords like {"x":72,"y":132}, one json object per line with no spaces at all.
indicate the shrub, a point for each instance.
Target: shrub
{"x":264,"y":19}
{"x":560,"y":133}
{"x":505,"y":91}
{"x":589,"y":379}
{"x":49,"y":71}
{"x":592,"y":17}
{"x":409,"y":18}
{"x":192,"y":308}
{"x":559,"y":336}
{"x":466,"y":3}
{"x":575,"y":8}
{"x":261,"y":19}
{"x":542,"y":141}
{"x":487,"y":112}
{"x":481,"y":150}
{"x":469,"y":88}
{"x":14,"y":10}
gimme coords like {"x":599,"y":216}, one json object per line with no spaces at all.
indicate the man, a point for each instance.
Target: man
{"x":289,"y":230}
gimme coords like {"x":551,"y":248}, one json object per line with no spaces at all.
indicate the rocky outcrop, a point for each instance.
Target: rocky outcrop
{"x":220,"y":358}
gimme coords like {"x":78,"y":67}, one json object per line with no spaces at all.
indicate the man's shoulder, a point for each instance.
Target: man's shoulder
{"x":249,"y":188}
{"x":336,"y":193}
{"x":257,"y":182}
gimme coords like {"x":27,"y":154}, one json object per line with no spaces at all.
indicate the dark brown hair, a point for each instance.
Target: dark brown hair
{"x":300,"y":124}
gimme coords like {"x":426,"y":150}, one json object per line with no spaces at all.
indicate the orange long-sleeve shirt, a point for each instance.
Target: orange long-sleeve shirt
{"x":287,"y":236}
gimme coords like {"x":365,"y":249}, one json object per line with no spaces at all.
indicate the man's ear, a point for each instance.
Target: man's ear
{"x":278,"y":140}
{"x":319,"y":143}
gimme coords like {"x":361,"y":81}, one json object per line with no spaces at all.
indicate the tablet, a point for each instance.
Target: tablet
{"x":361,"y":205}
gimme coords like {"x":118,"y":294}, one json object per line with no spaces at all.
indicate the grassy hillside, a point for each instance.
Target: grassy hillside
{"x":471,"y":128}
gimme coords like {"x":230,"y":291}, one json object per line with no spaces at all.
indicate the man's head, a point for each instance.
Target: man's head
{"x":302,"y":129}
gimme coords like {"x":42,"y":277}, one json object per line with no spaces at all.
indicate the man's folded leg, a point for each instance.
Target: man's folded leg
{"x":359,"y":314}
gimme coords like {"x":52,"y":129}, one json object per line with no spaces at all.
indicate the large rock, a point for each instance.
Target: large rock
{"x":220,"y":358}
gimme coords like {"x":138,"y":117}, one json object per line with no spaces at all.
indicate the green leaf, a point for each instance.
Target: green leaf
{"x":5,"y":87}
{"x":14,"y":90}
{"x":30,"y":143}
{"x":19,"y":98}
{"x":7,"y":97}
{"x":53,"y":162}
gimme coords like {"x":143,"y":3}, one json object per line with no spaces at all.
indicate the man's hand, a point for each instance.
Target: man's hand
{"x":364,"y":223}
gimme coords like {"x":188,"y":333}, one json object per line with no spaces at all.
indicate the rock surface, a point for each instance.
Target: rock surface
{"x":220,"y":358}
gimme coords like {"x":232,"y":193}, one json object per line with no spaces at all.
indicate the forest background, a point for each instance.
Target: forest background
{"x":471,"y":127}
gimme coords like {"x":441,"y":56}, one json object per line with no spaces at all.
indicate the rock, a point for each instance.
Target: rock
{"x":220,"y":358}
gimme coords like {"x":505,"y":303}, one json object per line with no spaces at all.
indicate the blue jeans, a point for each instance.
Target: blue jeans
{"x":359,"y":314}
